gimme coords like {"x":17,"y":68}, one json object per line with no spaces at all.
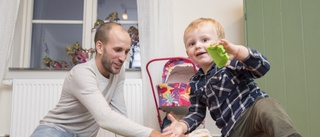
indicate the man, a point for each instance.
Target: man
{"x":92,"y":94}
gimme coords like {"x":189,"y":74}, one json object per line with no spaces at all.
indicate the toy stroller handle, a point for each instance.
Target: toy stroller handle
{"x":150,"y":79}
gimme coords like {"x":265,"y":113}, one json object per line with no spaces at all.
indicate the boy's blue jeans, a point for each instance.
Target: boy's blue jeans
{"x":48,"y":131}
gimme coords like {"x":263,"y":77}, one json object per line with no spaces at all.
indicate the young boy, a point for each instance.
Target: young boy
{"x":235,"y":102}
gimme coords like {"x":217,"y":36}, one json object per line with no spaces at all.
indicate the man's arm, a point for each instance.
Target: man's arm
{"x":85,"y":89}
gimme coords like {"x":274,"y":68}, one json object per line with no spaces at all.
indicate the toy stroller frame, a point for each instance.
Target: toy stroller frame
{"x":167,"y":108}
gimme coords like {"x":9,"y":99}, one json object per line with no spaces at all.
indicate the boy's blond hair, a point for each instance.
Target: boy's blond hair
{"x":199,"y":22}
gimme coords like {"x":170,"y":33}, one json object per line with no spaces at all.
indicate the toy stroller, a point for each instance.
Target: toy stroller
{"x":173,"y":92}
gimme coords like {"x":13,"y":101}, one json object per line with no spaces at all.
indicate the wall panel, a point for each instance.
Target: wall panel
{"x":287,"y":32}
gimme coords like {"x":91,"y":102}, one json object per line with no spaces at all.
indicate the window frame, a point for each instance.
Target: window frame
{"x":26,"y":22}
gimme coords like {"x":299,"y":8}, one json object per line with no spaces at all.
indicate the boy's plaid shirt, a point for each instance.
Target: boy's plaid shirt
{"x":227,"y":92}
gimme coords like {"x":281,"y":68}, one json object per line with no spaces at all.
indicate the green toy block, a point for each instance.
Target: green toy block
{"x":218,"y":54}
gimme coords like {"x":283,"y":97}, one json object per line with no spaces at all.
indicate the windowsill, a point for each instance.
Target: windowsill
{"x":52,"y":73}
{"x":39,"y":73}
{"x":53,"y":69}
{"x":37,"y":69}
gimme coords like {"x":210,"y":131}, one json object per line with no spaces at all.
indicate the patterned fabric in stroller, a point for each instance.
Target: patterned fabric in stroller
{"x":174,"y":89}
{"x":173,"y":93}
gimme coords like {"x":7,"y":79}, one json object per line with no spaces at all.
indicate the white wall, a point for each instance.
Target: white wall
{"x":229,"y":13}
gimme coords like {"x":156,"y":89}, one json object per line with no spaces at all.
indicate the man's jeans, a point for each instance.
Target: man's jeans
{"x":48,"y":131}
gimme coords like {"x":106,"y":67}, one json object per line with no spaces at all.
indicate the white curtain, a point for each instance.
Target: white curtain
{"x":156,"y":41}
{"x":8,"y":14}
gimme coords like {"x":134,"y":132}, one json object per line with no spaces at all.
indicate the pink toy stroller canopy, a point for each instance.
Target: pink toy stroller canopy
{"x":174,"y":89}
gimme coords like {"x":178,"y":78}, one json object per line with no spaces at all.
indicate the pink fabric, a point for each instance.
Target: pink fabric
{"x":175,"y":89}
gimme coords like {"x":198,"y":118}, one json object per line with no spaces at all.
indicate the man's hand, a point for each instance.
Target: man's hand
{"x":155,"y":133}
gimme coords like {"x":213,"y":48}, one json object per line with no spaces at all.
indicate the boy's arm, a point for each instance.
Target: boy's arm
{"x":243,"y":53}
{"x":196,"y":113}
{"x":253,"y":61}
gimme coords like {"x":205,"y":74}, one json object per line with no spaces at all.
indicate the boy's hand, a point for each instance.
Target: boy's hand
{"x":218,"y":54}
{"x":234,"y":51}
{"x":175,"y":129}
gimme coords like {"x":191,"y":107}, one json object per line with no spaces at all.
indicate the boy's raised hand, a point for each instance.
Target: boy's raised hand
{"x":230,"y":48}
{"x":175,"y":129}
{"x":234,"y":51}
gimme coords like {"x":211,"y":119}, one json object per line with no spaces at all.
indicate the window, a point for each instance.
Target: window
{"x":51,"y":25}
{"x":55,"y":24}
{"x":127,"y":13}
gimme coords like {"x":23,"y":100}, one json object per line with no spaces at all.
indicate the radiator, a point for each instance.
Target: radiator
{"x":33,"y":98}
